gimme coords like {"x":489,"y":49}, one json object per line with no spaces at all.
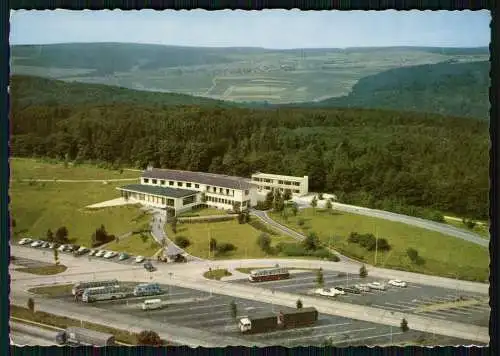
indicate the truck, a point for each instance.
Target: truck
{"x":81,"y":336}
{"x":282,"y":320}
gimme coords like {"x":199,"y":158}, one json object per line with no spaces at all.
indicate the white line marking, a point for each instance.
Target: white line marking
{"x":387,"y":307}
{"x":369,"y":337}
{"x":282,"y":332}
{"x":330,"y":333}
{"x":405,"y":307}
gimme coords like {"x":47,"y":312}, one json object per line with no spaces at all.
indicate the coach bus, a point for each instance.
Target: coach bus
{"x":79,"y":287}
{"x":270,"y":274}
{"x":103,"y":293}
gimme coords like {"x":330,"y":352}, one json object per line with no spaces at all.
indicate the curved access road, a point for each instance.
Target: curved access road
{"x":303,"y":203}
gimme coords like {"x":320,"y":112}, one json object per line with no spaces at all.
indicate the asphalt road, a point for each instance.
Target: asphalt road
{"x":211,"y":313}
{"x":406,"y":300}
{"x":22,"y":334}
{"x":410,"y":220}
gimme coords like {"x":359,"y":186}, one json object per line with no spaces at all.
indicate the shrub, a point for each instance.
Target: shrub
{"x":182,"y":241}
{"x":213,"y":244}
{"x":225,"y":247}
{"x":334,"y":258}
{"x":292,"y":249}
{"x":259,"y":225}
{"x":299,"y":304}
{"x":149,"y":337}
{"x":320,"y":196}
{"x":412,"y":254}
{"x":31,"y":305}
{"x":321,"y":253}
{"x":311,"y":242}
{"x":301,"y":222}
{"x":404,"y":325}
{"x":363,"y":272}
{"x":262,"y":205}
{"x":264,"y":242}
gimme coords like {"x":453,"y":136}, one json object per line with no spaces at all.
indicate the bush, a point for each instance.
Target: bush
{"x":299,"y":304}
{"x":264,"y":242}
{"x":149,"y":337}
{"x":187,"y":220}
{"x":363,"y":273}
{"x":292,"y":249}
{"x":321,"y":253}
{"x":301,"y":222}
{"x":225,"y":247}
{"x":262,"y":205}
{"x":182,"y":241}
{"x":404,"y":325}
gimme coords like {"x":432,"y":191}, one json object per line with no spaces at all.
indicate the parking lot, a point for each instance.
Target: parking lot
{"x":28,"y":263}
{"x":211,"y":313}
{"x":420,"y":299}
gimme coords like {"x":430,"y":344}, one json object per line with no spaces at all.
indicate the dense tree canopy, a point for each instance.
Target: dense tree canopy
{"x":375,"y":158}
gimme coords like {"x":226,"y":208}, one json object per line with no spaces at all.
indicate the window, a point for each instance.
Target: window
{"x":268,"y":188}
{"x":215,"y":189}
{"x":296,"y":191}
{"x":247,"y":192}
{"x":188,"y":185}
{"x":288,"y":183}
{"x":179,"y":184}
{"x":189,"y":200}
{"x":196,"y":185}
{"x":232,"y":192}
{"x":170,"y":202}
{"x":153,"y":181}
{"x":227,"y":191}
{"x":162,"y":182}
{"x":146,"y":180}
{"x":280,"y":182}
{"x":170,"y":183}
{"x":296,"y":183}
{"x":221,"y":190}
{"x":244,"y":204}
{"x":163,"y":201}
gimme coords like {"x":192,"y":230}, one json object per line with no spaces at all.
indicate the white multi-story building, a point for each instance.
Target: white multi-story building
{"x":183,"y":190}
{"x":265,"y":183}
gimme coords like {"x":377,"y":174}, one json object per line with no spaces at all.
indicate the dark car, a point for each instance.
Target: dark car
{"x":149,"y":267}
{"x":349,"y":290}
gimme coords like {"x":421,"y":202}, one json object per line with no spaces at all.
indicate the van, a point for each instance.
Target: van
{"x":152,"y":304}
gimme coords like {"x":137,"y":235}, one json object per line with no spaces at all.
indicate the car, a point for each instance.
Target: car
{"x":45,"y":245}
{"x":348,"y":290}
{"x":70,"y":248}
{"x":377,"y":285}
{"x":149,"y":267}
{"x":110,"y":254}
{"x":362,"y":287}
{"x":25,"y":241}
{"x":328,"y":292}
{"x":36,"y":243}
{"x":100,"y":253}
{"x":62,"y":248}
{"x":81,"y":251}
{"x":123,"y":256}
{"x":92,"y":252}
{"x":52,"y":245}
{"x":139,"y":259}
{"x":397,"y":283}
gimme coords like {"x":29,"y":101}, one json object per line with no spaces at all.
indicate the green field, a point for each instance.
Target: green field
{"x":26,"y":168}
{"x":39,"y":206}
{"x":243,"y":236}
{"x":480,"y":229}
{"x":444,"y":255}
{"x":136,"y":244}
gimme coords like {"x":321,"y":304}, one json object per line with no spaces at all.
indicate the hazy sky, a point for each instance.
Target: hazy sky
{"x":268,"y":28}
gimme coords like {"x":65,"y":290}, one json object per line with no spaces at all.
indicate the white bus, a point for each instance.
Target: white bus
{"x":269,"y":274}
{"x":103,"y":293}
{"x":147,"y":289}
{"x":79,"y":287}
{"x":152,"y":304}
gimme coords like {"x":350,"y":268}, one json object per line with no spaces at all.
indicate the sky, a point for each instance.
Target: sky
{"x":277,"y":29}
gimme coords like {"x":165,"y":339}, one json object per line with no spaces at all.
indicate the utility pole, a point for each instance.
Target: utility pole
{"x":376,"y":246}
{"x":391,"y":334}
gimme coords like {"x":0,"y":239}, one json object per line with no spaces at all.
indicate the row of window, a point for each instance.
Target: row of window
{"x":282,"y":182}
{"x":297,"y":191}
{"x":226,"y":201}
{"x":196,"y":185}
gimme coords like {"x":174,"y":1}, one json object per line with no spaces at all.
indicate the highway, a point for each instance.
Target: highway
{"x":189,"y":276}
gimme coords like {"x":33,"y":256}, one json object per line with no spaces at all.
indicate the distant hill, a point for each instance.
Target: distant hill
{"x":449,"y":88}
{"x":28,"y":90}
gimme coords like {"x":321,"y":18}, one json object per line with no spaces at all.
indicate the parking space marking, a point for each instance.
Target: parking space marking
{"x":317,"y":336}
{"x":184,"y":308}
{"x":200,"y":314}
{"x":410,"y":304}
{"x":371,"y":337}
{"x":283,"y":332}
{"x":402,"y":307}
{"x":387,"y":307}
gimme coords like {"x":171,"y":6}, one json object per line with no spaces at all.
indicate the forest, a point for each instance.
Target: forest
{"x":384,"y":159}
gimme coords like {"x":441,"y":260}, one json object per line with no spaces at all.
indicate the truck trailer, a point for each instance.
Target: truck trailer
{"x":81,"y":336}
{"x":283,"y":320}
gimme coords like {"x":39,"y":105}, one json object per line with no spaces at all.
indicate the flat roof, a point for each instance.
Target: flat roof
{"x":260,"y":174}
{"x":155,"y":190}
{"x":212,"y":179}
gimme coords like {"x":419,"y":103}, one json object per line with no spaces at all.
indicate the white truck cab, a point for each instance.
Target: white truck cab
{"x":245,"y":324}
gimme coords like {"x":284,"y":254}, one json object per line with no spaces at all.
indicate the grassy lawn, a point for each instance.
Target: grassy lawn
{"x":137,"y":244}
{"x":64,"y":322}
{"x":27,"y":168}
{"x":53,"y":291}
{"x":243,"y":236}
{"x":444,"y":255}
{"x":43,"y":271}
{"x":217,"y":274}
{"x":481,"y":230}
{"x":37,"y":207}
{"x":203,"y":212}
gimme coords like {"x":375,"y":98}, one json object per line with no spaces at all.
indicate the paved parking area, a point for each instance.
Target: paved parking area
{"x":474,"y":308}
{"x":211,"y":313}
{"x":28,"y":263}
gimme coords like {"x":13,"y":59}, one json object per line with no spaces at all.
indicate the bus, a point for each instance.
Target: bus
{"x":103,"y":293}
{"x":147,"y":289}
{"x":269,"y":274}
{"x":79,"y":287}
{"x":152,"y":304}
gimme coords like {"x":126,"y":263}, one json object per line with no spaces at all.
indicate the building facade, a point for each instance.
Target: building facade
{"x":265,"y":183}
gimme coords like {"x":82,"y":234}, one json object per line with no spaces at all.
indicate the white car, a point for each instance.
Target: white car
{"x":377,"y":285}
{"x":25,"y":240}
{"x":328,"y":292}
{"x":36,"y":244}
{"x":82,"y":248}
{"x":139,"y":259}
{"x":362,"y":287}
{"x":100,"y":253}
{"x":92,"y":252}
{"x":62,"y":248}
{"x":110,"y":254}
{"x":397,"y":283}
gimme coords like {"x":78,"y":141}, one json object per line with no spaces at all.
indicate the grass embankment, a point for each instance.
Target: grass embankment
{"x":39,"y":206}
{"x":43,"y":271}
{"x":27,"y":168}
{"x":141,"y":244}
{"x":202,"y":212}
{"x":444,"y":255}
{"x":482,"y":229}
{"x":65,"y":322}
{"x":217,"y":274}
{"x":243,"y":236}
{"x":53,"y":291}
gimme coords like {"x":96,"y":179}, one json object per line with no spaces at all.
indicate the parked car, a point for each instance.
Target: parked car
{"x":62,"y":248}
{"x":25,"y":241}
{"x":92,"y":252}
{"x":377,"y":285}
{"x":36,"y":244}
{"x":348,"y":290}
{"x":81,"y":251}
{"x":53,"y":245}
{"x":110,"y":254}
{"x":397,"y":283}
{"x":362,"y":287}
{"x":328,"y":292}
{"x":70,"y":248}
{"x":139,"y":259}
{"x":123,"y":256}
{"x":100,"y":253}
